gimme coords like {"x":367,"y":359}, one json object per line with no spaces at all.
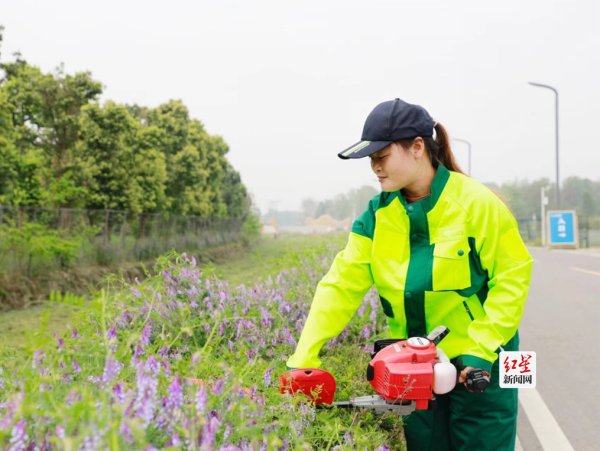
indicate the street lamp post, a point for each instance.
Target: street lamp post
{"x":543,"y":202}
{"x":469,"y":150}
{"x":540,"y":85}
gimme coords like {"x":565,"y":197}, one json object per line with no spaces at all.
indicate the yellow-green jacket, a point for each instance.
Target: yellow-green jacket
{"x":454,"y":258}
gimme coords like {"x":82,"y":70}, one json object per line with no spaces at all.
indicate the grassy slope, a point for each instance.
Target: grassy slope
{"x":22,"y":329}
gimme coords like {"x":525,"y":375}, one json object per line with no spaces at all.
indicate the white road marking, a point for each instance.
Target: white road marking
{"x":547,"y":430}
{"x":518,"y":446}
{"x":588,"y":271}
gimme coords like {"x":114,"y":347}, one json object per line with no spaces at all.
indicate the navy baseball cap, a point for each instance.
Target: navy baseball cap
{"x":389,"y":122}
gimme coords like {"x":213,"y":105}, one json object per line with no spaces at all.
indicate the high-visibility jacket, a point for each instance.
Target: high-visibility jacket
{"x":454,"y":258}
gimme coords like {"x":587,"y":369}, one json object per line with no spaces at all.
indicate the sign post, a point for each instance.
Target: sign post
{"x":562,"y":227}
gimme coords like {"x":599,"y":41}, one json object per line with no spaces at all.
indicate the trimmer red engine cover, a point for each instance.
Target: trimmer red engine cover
{"x":403,"y":371}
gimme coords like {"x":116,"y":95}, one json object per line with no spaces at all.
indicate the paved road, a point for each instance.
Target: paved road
{"x":562,"y":325}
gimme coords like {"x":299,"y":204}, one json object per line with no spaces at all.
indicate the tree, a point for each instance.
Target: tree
{"x":235,"y":196}
{"x":60,"y":148}
{"x":44,"y":110}
{"x":106,"y":152}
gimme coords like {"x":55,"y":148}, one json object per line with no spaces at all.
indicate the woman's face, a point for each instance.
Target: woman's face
{"x":395,"y":167}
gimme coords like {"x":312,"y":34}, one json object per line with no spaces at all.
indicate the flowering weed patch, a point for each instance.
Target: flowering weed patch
{"x":185,"y":361}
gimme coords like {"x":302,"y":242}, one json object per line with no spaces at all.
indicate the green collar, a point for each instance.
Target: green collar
{"x":437,"y":186}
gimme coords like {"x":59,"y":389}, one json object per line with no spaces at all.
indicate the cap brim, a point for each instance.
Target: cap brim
{"x":363,"y":149}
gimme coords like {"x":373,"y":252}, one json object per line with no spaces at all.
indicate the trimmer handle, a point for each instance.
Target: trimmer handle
{"x":437,"y":334}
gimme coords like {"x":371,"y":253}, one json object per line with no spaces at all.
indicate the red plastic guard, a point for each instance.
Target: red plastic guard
{"x":317,"y":384}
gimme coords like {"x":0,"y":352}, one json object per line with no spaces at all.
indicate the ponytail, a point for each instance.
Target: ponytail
{"x":439,"y":149}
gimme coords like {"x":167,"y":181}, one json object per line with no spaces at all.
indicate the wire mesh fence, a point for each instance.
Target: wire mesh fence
{"x":33,"y":239}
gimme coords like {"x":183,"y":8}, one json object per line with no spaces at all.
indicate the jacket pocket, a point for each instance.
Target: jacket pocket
{"x":451,"y":265}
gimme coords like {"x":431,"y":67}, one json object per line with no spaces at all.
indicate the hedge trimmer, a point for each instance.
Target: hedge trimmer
{"x":405,"y":373}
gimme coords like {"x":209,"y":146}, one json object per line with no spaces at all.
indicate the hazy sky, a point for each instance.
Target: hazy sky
{"x":289,"y":84}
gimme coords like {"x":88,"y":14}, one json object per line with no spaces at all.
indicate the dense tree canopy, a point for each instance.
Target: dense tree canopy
{"x":59,"y":147}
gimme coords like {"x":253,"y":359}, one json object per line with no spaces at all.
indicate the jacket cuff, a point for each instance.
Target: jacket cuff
{"x":465,"y":360}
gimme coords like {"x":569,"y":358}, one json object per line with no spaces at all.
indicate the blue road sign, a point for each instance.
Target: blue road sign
{"x":562,"y":226}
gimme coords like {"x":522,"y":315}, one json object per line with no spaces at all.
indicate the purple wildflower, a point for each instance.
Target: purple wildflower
{"x":226,"y":434}
{"x":10,"y":408}
{"x":308,"y":411}
{"x":152,"y":366}
{"x":217,"y":387}
{"x":38,"y":359}
{"x":208,"y":433}
{"x":166,"y":367}
{"x":119,"y":392}
{"x":125,"y":431}
{"x":72,"y":397}
{"x":253,"y":393}
{"x":169,"y":278}
{"x":175,"y":399}
{"x":267,"y":379}
{"x":112,"y":368}
{"x":265,"y":318}
{"x":74,"y":334}
{"x":138,"y":351}
{"x":145,"y":340}
{"x":251,"y":353}
{"x":18,"y":436}
{"x":366,"y":331}
{"x":201,"y":400}
{"x":361,"y":310}
{"x":112,"y":332}
{"x":147,"y":388}
{"x":76,"y":367}
{"x":174,"y":441}
{"x":60,"y":432}
{"x":348,"y":439}
{"x":92,"y":441}
{"x":373,"y":316}
{"x":289,"y":339}
{"x":136,"y":293}
{"x":383,"y":448}
{"x":61,"y":343}
{"x":285,"y":308}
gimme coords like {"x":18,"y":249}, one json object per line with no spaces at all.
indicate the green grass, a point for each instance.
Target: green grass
{"x":271,"y":255}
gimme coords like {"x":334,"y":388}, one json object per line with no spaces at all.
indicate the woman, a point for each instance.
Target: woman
{"x":441,"y":249}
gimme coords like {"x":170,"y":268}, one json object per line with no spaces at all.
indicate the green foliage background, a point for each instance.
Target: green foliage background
{"x":61,"y":148}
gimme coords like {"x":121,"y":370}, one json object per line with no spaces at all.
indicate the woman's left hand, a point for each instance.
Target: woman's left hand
{"x":462,"y":378}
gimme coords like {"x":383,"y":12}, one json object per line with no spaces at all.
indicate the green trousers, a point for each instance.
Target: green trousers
{"x":467,"y":421}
